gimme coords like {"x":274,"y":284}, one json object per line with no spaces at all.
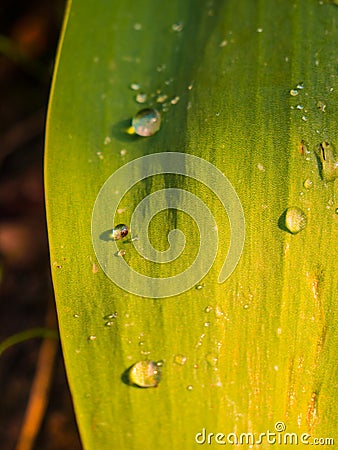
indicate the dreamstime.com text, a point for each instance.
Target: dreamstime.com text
{"x":279,"y":437}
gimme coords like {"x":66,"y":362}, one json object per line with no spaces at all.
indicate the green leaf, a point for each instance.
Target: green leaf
{"x":238,"y":356}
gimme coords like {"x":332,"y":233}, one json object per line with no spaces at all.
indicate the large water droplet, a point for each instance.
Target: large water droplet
{"x":145,"y":374}
{"x":120,"y":231}
{"x":146,"y":122}
{"x":295,"y":219}
{"x":328,"y":161}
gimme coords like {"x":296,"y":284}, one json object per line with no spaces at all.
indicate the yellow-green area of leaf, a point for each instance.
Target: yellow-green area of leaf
{"x":259,"y":351}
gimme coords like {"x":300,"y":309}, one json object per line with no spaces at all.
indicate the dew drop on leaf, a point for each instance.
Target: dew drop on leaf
{"x":328,"y":161}
{"x":211,"y":359}
{"x":141,"y":97}
{"x":146,"y":122}
{"x":120,"y":231}
{"x":295,"y":219}
{"x":308,"y":183}
{"x":145,"y":374}
{"x":180,"y":359}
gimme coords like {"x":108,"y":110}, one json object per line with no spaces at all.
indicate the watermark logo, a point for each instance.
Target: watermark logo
{"x":279,"y":436}
{"x":125,"y":178}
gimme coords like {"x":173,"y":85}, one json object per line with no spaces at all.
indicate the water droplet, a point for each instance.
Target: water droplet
{"x":293,"y":92}
{"x":107,"y":140}
{"x":76,"y":316}
{"x":295,"y":219}
{"x":300,"y":86}
{"x":145,"y":374}
{"x":198,"y":287}
{"x":321,"y":106}
{"x":300,"y":107}
{"x":109,"y":323}
{"x":211,"y":359}
{"x":91,"y":338}
{"x":206,"y":324}
{"x":336,"y":210}
{"x":161,"y":98}
{"x":146,"y":122}
{"x":308,"y":183}
{"x":137,"y":26}
{"x":189,"y":388}
{"x":260,"y":167}
{"x":121,"y":253}
{"x":177,"y":27}
{"x":175,"y":100}
{"x":223,"y":43}
{"x":304,"y":118}
{"x":110,"y":316}
{"x":120,"y":231}
{"x":135,"y":86}
{"x":141,"y":97}
{"x":246,"y":306}
{"x":259,"y":30}
{"x":208,"y":309}
{"x":328,"y":161}
{"x":180,"y":359}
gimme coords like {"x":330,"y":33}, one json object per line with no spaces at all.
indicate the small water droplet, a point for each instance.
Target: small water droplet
{"x":123,"y":153}
{"x":141,"y":97}
{"x":328,"y":160}
{"x":304,"y":118}
{"x":336,"y":210}
{"x":208,"y":309}
{"x":120,"y":231}
{"x":145,"y":374}
{"x":121,"y":253}
{"x":175,"y":100}
{"x":246,"y":306}
{"x":223,"y":43}
{"x":180,"y":359}
{"x":293,"y":92}
{"x":308,"y":184}
{"x":110,"y":316}
{"x":206,"y":324}
{"x":321,"y":106}
{"x":260,"y":167}
{"x":107,"y":140}
{"x":161,"y":98}
{"x":137,"y":26}
{"x":198,"y":287}
{"x":295,"y":219}
{"x":259,"y":30}
{"x":91,"y":338}
{"x":76,"y":316}
{"x":146,"y":122}
{"x":300,"y":86}
{"x":300,"y":107}
{"x":135,"y":86}
{"x":189,"y":388}
{"x":109,"y":323}
{"x":211,"y":359}
{"x":177,"y":27}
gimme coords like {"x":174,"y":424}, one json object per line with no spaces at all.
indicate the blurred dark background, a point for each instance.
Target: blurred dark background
{"x":29,"y":33}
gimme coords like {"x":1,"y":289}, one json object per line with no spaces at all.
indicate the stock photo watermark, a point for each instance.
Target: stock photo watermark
{"x":279,"y":436}
{"x":125,"y":178}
